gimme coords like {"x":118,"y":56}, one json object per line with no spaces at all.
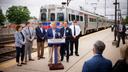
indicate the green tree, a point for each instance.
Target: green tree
{"x":18,"y":14}
{"x":2,"y":18}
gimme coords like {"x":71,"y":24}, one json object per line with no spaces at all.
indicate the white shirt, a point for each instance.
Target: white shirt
{"x":53,"y":31}
{"x":41,"y":30}
{"x":77,"y":28}
{"x":64,"y":31}
{"x":120,"y":27}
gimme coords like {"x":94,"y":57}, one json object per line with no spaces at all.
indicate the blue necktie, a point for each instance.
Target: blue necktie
{"x":64,"y":32}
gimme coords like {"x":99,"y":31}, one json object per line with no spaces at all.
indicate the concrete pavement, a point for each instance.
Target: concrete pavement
{"x":75,"y":63}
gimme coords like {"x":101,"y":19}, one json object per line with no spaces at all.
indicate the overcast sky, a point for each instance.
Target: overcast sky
{"x":34,"y":5}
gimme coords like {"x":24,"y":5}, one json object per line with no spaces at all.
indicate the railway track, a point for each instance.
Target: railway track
{"x":11,"y":54}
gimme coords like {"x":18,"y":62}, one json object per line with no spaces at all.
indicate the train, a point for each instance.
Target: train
{"x":87,"y":21}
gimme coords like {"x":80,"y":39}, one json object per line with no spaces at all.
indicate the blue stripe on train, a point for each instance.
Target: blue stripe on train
{"x":48,"y":23}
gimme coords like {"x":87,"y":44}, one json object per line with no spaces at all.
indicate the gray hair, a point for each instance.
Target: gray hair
{"x":99,"y":47}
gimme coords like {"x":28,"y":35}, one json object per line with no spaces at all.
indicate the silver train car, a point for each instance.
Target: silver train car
{"x":87,"y":21}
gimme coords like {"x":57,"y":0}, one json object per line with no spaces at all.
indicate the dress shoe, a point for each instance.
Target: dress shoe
{"x":23,"y":63}
{"x":19,"y":64}
{"x":31,"y":60}
{"x":77,"y":54}
{"x":71,"y":55}
{"x":117,"y":46}
{"x":42,"y":57}
{"x":38,"y":58}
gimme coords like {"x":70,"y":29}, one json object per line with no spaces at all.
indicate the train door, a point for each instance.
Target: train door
{"x":98,"y":23}
{"x":85,"y":23}
{"x":43,"y":15}
{"x":52,"y":16}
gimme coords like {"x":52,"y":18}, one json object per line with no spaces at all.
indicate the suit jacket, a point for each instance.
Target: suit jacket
{"x":50,"y":35}
{"x":29,"y":34}
{"x":40,"y":35}
{"x":97,"y":64}
{"x":19,"y":40}
{"x":68,"y":33}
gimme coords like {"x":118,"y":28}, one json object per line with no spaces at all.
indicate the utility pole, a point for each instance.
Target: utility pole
{"x":68,"y":1}
{"x":115,"y":11}
{"x":127,"y":7}
{"x":115,"y":19}
{"x":0,"y":8}
{"x":119,"y":12}
{"x":105,"y":8}
{"x":66,"y":5}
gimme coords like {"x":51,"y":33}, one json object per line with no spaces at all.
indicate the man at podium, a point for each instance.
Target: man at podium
{"x":53,"y":33}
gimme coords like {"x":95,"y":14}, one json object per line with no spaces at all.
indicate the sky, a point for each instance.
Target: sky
{"x":89,"y":5}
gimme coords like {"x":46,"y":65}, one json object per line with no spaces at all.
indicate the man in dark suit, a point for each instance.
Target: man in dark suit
{"x":53,"y":33}
{"x":121,"y":33}
{"x":40,"y":33}
{"x":67,"y":34}
{"x":98,"y":63}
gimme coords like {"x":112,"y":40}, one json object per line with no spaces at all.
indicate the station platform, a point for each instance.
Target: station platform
{"x":75,"y":63}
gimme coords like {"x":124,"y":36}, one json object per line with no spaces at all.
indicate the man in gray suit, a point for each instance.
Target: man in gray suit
{"x":29,"y":34}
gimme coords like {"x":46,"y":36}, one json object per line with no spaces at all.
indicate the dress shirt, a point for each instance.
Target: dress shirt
{"x":77,"y":30}
{"x":120,"y":27}
{"x":53,"y":31}
{"x":41,"y":30}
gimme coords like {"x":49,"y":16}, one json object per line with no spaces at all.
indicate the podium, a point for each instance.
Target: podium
{"x":56,"y":65}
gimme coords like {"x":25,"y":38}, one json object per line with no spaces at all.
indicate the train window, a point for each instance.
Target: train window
{"x":43,"y":17}
{"x":99,"y":20}
{"x":69,"y":16}
{"x":72,"y":17}
{"x":60,"y":16}
{"x":81,"y":18}
{"x":92,"y":20}
{"x":52,"y":17}
{"x":77,"y":17}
